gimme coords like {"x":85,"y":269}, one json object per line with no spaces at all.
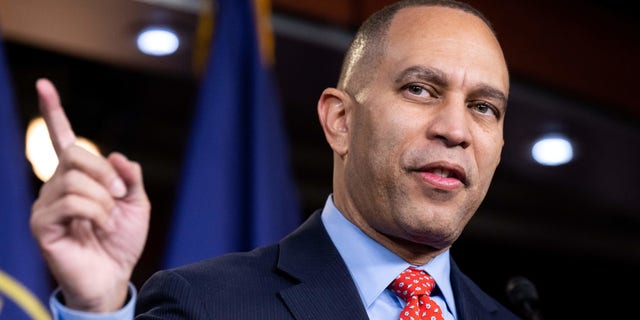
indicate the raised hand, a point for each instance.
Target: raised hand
{"x":91,"y":218}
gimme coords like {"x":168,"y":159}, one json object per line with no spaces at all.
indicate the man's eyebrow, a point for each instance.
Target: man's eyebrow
{"x":485,"y":90}
{"x":439,"y":78}
{"x":434,"y":76}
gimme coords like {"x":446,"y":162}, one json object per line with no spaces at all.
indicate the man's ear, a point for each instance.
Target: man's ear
{"x":334,"y":107}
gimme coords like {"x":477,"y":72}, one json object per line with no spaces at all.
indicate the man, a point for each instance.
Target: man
{"x":415,"y":125}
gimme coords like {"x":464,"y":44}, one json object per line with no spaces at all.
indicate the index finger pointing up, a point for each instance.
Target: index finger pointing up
{"x":60,"y":131}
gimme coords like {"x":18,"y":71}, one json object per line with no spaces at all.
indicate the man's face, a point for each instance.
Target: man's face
{"x":426,"y":131}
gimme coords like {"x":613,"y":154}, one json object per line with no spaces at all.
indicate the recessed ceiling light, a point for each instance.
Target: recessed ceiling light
{"x":158,"y":41}
{"x":552,"y":150}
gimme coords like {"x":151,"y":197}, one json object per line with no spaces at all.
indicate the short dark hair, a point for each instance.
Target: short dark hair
{"x":368,"y":44}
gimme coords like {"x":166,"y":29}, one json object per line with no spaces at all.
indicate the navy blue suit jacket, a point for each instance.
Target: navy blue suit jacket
{"x":301,"y":277}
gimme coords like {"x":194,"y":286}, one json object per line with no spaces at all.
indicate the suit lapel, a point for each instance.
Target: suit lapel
{"x":471,"y":302}
{"x":325,"y":289}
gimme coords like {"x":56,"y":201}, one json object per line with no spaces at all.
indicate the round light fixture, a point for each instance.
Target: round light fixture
{"x":552,"y":150}
{"x":158,"y":41}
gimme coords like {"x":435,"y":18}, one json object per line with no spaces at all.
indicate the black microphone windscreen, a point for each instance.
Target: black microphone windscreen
{"x":523,"y":294}
{"x":520,"y":289}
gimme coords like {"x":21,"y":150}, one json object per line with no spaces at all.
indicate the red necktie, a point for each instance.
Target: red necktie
{"x":414,"y":286}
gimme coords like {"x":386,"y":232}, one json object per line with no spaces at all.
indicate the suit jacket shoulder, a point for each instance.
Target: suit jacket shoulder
{"x":301,"y":277}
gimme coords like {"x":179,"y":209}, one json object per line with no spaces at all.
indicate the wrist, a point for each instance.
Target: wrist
{"x":61,"y":311}
{"x":107,"y":301}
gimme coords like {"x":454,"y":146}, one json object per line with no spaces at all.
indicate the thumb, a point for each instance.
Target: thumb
{"x":131,"y":174}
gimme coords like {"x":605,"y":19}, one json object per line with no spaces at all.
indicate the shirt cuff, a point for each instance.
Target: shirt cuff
{"x":60,"y":312}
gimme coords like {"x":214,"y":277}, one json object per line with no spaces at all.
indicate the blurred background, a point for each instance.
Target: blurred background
{"x":573,"y":229}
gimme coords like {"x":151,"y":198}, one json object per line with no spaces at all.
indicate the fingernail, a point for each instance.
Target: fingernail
{"x":118,"y":189}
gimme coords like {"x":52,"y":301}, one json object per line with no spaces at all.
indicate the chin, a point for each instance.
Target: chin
{"x":438,"y":238}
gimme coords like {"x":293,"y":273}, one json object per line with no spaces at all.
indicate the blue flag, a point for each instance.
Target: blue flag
{"x":23,"y":276}
{"x":237,"y":191}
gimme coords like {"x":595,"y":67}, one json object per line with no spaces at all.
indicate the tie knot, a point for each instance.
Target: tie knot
{"x":412,"y":282}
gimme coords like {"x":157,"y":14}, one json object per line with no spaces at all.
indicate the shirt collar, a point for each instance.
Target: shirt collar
{"x":372,"y":266}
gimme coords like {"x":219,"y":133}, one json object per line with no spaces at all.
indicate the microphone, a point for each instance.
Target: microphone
{"x":524,"y":296}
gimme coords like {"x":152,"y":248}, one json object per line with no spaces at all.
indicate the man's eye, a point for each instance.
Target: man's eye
{"x":416,"y":90}
{"x":484,"y":109}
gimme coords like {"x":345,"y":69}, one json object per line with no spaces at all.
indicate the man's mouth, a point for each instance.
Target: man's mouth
{"x":444,"y":175}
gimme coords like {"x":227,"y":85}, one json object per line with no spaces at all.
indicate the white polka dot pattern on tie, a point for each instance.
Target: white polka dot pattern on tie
{"x":414,"y":286}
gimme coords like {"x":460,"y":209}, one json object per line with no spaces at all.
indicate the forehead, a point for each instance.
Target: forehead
{"x":454,"y":41}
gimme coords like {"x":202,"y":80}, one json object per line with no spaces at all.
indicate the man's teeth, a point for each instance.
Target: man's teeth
{"x":441,"y":172}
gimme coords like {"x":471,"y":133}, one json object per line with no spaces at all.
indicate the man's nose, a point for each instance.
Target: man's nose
{"x":450,"y":124}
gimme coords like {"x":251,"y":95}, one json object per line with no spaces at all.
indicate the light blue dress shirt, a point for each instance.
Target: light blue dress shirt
{"x":373,"y":267}
{"x":60,"y":312}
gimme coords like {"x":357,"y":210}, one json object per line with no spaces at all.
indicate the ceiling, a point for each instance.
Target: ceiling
{"x":574,"y":68}
{"x":586,"y":49}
